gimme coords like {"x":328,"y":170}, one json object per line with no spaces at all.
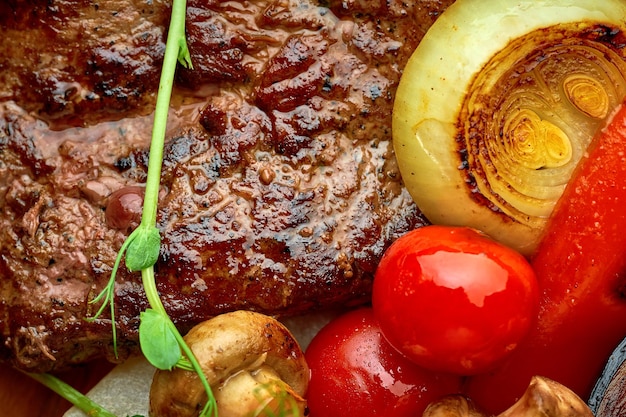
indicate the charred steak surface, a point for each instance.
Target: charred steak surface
{"x":280,"y":190}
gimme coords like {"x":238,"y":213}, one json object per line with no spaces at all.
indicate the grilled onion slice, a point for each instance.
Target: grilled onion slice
{"x":498,"y":104}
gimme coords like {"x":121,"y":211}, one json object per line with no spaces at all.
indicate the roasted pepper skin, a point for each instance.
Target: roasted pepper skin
{"x":581,"y":268}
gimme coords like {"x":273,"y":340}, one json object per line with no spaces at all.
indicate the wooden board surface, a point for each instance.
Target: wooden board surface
{"x":20,"y":396}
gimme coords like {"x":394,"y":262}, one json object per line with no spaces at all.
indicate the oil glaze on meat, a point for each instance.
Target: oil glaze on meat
{"x":280,"y":190}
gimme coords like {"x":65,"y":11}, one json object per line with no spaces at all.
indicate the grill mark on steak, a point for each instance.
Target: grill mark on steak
{"x":280,"y":190}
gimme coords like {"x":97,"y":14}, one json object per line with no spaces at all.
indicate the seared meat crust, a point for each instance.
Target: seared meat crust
{"x":280,"y":190}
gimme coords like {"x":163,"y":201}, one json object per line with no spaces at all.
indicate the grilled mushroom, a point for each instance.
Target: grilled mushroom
{"x":543,"y":398}
{"x":252,"y":362}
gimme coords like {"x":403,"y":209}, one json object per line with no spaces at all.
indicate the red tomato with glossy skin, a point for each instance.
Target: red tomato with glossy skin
{"x":452,"y":299}
{"x":355,"y":372}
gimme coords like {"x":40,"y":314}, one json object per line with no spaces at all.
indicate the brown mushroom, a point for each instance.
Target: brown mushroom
{"x":547,"y":398}
{"x":252,"y":363}
{"x":452,"y":406}
{"x":543,"y":398}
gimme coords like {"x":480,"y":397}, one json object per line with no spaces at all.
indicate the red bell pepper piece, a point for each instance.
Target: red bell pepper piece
{"x":581,"y":268}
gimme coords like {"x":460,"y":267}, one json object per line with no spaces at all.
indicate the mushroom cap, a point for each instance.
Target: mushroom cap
{"x":543,"y":398}
{"x":225,"y":346}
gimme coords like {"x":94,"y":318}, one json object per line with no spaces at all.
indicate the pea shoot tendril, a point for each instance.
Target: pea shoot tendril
{"x":161,"y":342}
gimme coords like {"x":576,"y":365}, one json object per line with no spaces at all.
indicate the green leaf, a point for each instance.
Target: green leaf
{"x":158,"y":340}
{"x":143,"y":250}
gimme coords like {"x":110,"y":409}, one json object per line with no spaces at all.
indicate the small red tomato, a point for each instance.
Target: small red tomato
{"x":355,"y":372}
{"x":452,"y":299}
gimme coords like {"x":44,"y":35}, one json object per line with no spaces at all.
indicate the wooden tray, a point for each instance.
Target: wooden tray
{"x":20,"y":396}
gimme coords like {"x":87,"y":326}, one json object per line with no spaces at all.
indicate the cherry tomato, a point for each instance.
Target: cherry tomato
{"x":452,"y":299}
{"x":355,"y":372}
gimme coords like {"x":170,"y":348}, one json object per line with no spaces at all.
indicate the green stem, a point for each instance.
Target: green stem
{"x":210,"y":408}
{"x":149,"y":285}
{"x":175,"y":38}
{"x":72,"y":395}
{"x":175,"y":51}
{"x":176,"y":43}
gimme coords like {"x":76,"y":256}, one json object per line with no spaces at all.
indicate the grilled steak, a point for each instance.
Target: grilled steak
{"x":280,"y":191}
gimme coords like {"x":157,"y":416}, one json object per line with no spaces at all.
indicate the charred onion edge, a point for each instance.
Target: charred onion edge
{"x":433,"y":88}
